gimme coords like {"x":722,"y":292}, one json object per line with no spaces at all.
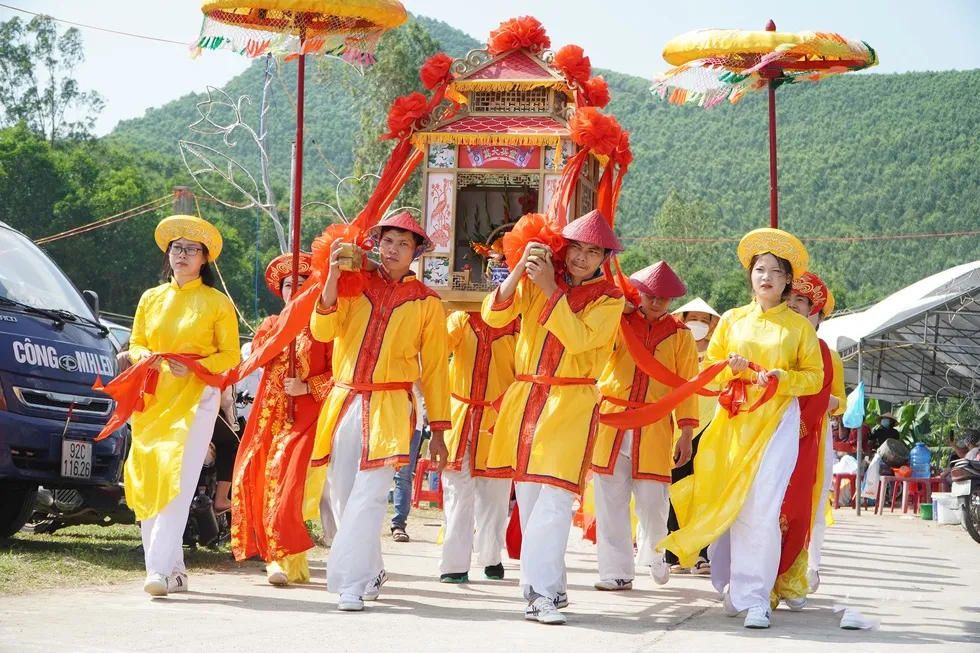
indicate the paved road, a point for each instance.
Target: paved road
{"x":913,"y":575}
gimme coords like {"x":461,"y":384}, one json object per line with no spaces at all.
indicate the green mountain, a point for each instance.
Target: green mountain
{"x":859,"y":155}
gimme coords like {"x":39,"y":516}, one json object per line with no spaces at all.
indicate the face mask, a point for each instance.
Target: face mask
{"x":698,"y":329}
{"x":886,"y":423}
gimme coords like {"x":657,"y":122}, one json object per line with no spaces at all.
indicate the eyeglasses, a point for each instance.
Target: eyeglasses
{"x":189,"y":251}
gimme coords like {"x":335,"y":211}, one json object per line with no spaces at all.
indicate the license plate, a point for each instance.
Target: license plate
{"x":961,"y":488}
{"x":76,"y":459}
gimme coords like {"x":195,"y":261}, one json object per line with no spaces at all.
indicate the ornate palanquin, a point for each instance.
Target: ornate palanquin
{"x":496,"y":158}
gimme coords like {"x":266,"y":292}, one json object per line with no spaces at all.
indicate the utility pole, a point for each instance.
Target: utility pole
{"x":184,"y":201}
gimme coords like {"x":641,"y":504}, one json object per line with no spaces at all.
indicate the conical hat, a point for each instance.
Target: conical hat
{"x":696,"y":306}
{"x":405,"y":222}
{"x":282,"y":267}
{"x":777,"y":242}
{"x":593,"y":229}
{"x":190,"y":227}
{"x":658,"y":280}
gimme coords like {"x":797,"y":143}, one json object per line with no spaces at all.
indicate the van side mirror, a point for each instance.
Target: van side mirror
{"x":92,"y":299}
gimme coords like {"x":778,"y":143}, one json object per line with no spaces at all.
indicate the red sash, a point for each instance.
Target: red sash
{"x":796,"y":514}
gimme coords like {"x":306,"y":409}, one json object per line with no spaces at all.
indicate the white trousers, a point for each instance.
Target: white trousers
{"x":746,"y":557}
{"x":614,"y":528}
{"x":358,"y":500}
{"x":820,"y":522}
{"x":163,"y":534}
{"x":468,"y":502}
{"x":546,"y":520}
{"x":327,"y":521}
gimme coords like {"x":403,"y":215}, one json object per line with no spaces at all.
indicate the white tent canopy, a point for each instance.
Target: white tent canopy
{"x":923,"y":340}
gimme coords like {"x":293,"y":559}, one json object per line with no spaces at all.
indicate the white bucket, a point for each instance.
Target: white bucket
{"x":947,"y":508}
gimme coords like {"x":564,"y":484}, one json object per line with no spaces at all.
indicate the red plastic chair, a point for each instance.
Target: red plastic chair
{"x":419,"y":492}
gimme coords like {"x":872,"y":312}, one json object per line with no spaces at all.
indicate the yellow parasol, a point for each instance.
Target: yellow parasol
{"x":292,"y":29}
{"x":713,"y":65}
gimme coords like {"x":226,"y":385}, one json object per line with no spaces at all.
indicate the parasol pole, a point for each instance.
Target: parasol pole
{"x":773,"y":186}
{"x":297,"y":200}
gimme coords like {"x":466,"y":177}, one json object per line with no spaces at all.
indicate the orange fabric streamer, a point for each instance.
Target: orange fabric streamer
{"x":130,"y":388}
{"x":648,"y":363}
{"x":374,"y":387}
{"x":557,"y":212}
{"x":732,"y":399}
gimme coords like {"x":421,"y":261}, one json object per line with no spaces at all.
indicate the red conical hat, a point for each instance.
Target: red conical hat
{"x":594,"y":229}
{"x":813,"y":288}
{"x":282,"y":267}
{"x":405,"y":222}
{"x":658,"y":280}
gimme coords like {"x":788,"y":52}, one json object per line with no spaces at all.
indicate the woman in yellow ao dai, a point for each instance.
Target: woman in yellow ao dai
{"x":185,"y":315}
{"x":745,"y":461}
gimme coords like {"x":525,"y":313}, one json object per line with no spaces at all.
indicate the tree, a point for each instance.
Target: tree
{"x":396,"y":73}
{"x":37,"y":80}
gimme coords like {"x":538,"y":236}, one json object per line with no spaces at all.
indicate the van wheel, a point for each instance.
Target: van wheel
{"x":16,"y":505}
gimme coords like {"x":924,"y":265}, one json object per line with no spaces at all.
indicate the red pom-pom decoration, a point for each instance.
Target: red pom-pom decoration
{"x":435,"y":71}
{"x":591,"y":129}
{"x":571,"y":62}
{"x":405,"y":112}
{"x":597,"y":92}
{"x":524,"y":32}
{"x":532,"y":228}
{"x":350,"y":284}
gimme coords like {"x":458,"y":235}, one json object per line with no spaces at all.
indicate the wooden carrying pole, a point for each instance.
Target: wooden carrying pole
{"x":297,"y":202}
{"x":773,"y":187}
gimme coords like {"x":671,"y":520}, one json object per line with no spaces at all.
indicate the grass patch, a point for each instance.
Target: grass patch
{"x":86,"y":556}
{"x":97,"y":556}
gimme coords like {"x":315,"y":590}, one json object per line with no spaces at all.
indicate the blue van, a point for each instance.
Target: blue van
{"x":52,"y":349}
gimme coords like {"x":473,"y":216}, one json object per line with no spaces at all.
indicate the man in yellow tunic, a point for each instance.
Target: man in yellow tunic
{"x":639,"y":464}
{"x":482,"y":367}
{"x":548,"y":421}
{"x":385,"y":337}
{"x":185,"y":315}
{"x":748,"y":452}
{"x":812,"y":299}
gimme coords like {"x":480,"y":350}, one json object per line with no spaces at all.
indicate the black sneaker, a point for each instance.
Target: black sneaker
{"x":455,"y":578}
{"x":494,"y":572}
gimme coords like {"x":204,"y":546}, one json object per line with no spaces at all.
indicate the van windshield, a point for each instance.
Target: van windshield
{"x":29,"y":277}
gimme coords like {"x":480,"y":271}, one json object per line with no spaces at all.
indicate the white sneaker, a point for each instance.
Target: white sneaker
{"x":757,"y":618}
{"x":730,"y":609}
{"x":374,"y":589}
{"x":660,"y":572}
{"x":562,"y":601}
{"x":813,"y":580}
{"x":796,"y":605}
{"x":156,"y":584}
{"x":543,"y":610}
{"x":854,"y":620}
{"x":350,"y":603}
{"x":617,"y":585}
{"x":178,"y":582}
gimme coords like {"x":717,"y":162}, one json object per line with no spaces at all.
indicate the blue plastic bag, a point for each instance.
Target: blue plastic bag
{"x":854,"y":415}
